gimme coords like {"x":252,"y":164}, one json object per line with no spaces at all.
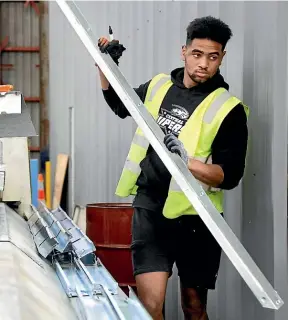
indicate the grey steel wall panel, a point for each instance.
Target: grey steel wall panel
{"x":255,"y":68}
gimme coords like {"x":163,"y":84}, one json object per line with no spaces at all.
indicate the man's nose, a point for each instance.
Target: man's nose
{"x":204,"y":62}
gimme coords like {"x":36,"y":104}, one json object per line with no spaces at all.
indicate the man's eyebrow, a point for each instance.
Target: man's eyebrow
{"x":216,"y":52}
{"x":199,"y":51}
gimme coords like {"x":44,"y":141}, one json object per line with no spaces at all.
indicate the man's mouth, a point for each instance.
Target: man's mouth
{"x":201,"y":74}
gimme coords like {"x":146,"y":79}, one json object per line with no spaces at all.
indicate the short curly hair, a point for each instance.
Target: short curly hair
{"x":209,"y":28}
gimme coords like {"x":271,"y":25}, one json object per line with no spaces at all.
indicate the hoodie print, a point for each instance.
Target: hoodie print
{"x":172,"y":121}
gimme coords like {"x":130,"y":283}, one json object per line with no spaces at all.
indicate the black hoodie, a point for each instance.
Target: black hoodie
{"x":228,"y":148}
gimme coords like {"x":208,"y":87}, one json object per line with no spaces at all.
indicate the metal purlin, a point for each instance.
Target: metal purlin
{"x":58,"y":239}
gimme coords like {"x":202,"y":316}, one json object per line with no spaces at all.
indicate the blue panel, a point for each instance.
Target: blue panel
{"x":34,"y":180}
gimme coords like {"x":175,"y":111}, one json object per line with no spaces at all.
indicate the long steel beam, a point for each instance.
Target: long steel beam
{"x":230,"y":244}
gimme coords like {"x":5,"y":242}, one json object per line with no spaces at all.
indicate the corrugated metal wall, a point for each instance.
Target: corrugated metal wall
{"x":21,"y":69}
{"x":265,"y":83}
{"x":255,"y":66}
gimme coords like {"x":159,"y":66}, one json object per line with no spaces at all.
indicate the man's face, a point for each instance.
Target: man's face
{"x":202,"y":59}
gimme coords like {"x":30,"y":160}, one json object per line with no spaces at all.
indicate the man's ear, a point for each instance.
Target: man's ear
{"x":183,"y":52}
{"x":224,"y":53}
{"x":222,"y":56}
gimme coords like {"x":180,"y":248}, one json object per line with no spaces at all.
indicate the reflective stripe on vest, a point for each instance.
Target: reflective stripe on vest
{"x":132,"y":166}
{"x":141,"y":141}
{"x":157,"y":86}
{"x":215,"y":106}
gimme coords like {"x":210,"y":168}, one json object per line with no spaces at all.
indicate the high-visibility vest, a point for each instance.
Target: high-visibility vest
{"x":197,"y":135}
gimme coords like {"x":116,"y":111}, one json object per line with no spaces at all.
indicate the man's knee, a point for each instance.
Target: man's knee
{"x":151,"y":288}
{"x":154,"y":305}
{"x":194,"y":303}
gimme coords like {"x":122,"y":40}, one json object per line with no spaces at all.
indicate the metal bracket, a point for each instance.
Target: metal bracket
{"x":64,"y":280}
{"x":81,"y":244}
{"x":62,"y":236}
{"x":56,"y":231}
{"x":89,"y":283}
{"x":44,"y":239}
{"x":230,"y":244}
{"x":102,"y":276}
{"x":88,"y":278}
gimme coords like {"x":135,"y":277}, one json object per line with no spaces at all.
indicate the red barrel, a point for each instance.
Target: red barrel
{"x":108,"y":225}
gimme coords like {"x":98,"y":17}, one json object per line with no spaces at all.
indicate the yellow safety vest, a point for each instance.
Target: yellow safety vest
{"x":203,"y":125}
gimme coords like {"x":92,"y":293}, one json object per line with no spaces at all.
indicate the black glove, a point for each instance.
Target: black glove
{"x":113,"y":48}
{"x":176,"y":146}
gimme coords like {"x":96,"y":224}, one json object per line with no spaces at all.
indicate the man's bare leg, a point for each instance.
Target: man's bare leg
{"x":194,"y":303}
{"x":151,"y":289}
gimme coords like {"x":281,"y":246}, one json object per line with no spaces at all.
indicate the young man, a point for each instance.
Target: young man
{"x":207,"y":127}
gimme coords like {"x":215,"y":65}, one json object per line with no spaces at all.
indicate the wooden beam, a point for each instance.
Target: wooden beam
{"x":44,"y":73}
{"x":32,"y":99}
{"x":6,"y":66}
{"x":60,"y":172}
{"x":21,"y":49}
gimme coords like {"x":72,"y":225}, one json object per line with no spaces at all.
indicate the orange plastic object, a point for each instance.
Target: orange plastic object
{"x":6,"y":88}
{"x":41,"y":193}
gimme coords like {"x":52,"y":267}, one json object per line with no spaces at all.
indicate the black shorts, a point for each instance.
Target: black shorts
{"x":158,"y":243}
